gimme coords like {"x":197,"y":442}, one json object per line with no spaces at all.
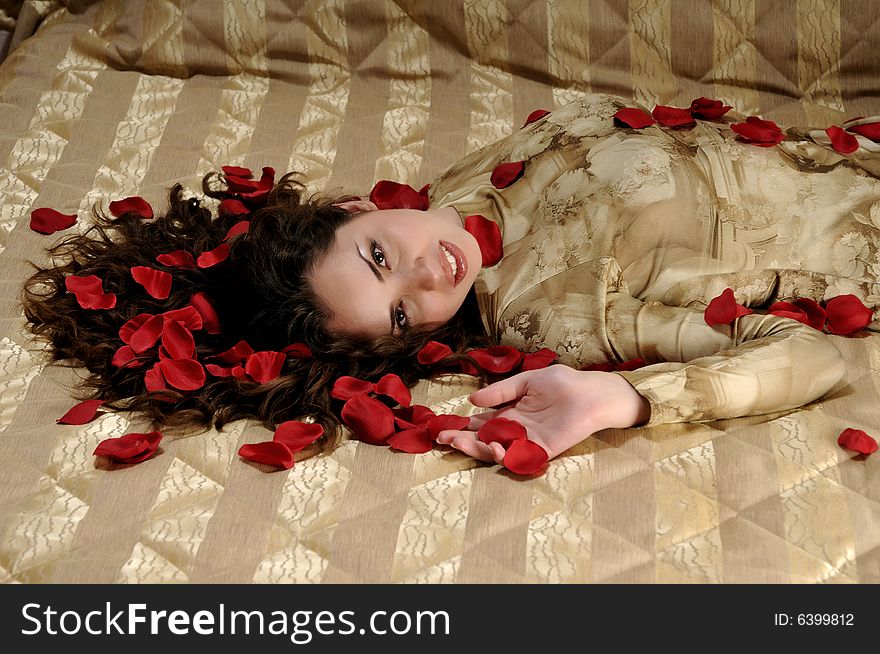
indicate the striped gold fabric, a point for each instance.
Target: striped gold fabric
{"x":123,"y":97}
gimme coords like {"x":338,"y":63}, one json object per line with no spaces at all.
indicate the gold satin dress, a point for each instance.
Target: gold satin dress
{"x":615,"y":240}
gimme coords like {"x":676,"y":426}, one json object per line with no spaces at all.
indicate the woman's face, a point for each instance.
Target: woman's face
{"x":390,"y":269}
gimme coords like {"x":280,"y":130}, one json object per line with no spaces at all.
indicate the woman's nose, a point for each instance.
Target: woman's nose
{"x":427,"y":275}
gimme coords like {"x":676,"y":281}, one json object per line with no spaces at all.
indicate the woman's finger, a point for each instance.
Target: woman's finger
{"x":473,"y":448}
{"x":502,"y":391}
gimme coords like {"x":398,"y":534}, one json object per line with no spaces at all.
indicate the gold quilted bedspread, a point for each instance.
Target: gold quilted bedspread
{"x":118,"y":98}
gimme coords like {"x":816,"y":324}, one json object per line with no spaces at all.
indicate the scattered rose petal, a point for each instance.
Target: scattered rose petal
{"x":764,"y":133}
{"x":267,"y":181}
{"x":177,"y":340}
{"x":525,"y":457}
{"x":236,"y":371}
{"x":488,"y":237}
{"x":154,"y":380}
{"x":156,"y":282}
{"x":497,"y":359}
{"x":125,"y":357}
{"x":540,"y":359}
{"x":414,"y":441}
{"x":868,"y":130}
{"x":130,"y":448}
{"x":845,"y":315}
{"x":635,"y":118}
{"x":96,"y":300}
{"x":606,"y":366}
{"x":446,"y":421}
{"x":673,"y":116}
{"x":81,"y":413}
{"x":841,"y":141}
{"x":815,"y":312}
{"x":232,"y":207}
{"x":857,"y":440}
{"x":433,"y":352}
{"x":537,"y":114}
{"x":346,"y":387}
{"x":271,"y":453}
{"x":392,"y":386}
{"x":788,"y":310}
{"x":236,"y":354}
{"x":415,"y":415}
{"x":237,"y":171}
{"x":177,"y":259}
{"x":146,"y":335}
{"x":264,"y":366}
{"x":213,"y":257}
{"x":631,"y":364}
{"x":183,"y":374}
{"x":723,"y":309}
{"x":206,"y":310}
{"x":501,"y":430}
{"x":240,"y":227}
{"x":132,"y":325}
{"x":708,"y":109}
{"x":506,"y":174}
{"x":87,"y":284}
{"x":370,"y":420}
{"x":187,"y":316}
{"x":48,"y":221}
{"x":393,"y":195}
{"x":298,"y":435}
{"x":297,"y":351}
{"x":135,"y":204}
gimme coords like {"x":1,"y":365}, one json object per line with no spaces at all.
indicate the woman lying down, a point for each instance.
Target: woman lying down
{"x":579,"y":266}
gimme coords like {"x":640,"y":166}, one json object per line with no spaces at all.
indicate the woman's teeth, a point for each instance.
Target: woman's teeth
{"x":451,"y":260}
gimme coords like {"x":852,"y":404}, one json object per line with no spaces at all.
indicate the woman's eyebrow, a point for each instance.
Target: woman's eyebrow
{"x":380,"y":278}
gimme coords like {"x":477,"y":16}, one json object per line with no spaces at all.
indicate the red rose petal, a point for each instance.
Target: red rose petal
{"x":540,"y":359}
{"x":788,"y":310}
{"x":145,"y":336}
{"x":392,"y":386}
{"x":298,"y":435}
{"x":815,"y":312}
{"x":764,"y":133}
{"x":261,"y":192}
{"x":858,"y":440}
{"x":525,"y":457}
{"x":177,"y":340}
{"x":635,"y":118}
{"x":446,"y":421}
{"x":240,"y":227}
{"x":96,"y":300}
{"x":537,"y":114}
{"x":206,"y":310}
{"x":433,"y":352}
{"x":81,"y":413}
{"x":673,"y":116}
{"x":346,"y":387}
{"x":183,"y":374}
{"x":125,"y":357}
{"x":232,"y":207}
{"x":606,"y":366}
{"x":708,"y":109}
{"x":131,"y":326}
{"x":723,"y":309}
{"x":237,"y":171}
{"x":413,"y":441}
{"x":868,"y":130}
{"x":187,"y":316}
{"x":501,"y":430}
{"x":156,"y":282}
{"x":236,"y":354}
{"x":130,"y":448}
{"x":154,"y":380}
{"x":297,"y":351}
{"x":845,"y":315}
{"x":177,"y":259}
{"x":87,"y":284}
{"x":488,"y":238}
{"x":506,"y":174}
{"x":415,"y":415}
{"x":213,"y":257}
{"x":273,"y":453}
{"x":48,"y":221}
{"x":497,"y":359}
{"x":236,"y":371}
{"x":393,"y":195}
{"x":369,"y":419}
{"x":842,"y":141}
{"x":264,"y":366}
{"x":631,"y":364}
{"x":134,"y":204}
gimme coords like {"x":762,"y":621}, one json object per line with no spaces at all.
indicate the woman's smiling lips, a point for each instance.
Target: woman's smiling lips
{"x":456,"y":276}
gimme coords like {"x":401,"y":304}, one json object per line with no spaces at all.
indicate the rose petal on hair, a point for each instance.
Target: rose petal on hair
{"x":432,"y":352}
{"x":413,"y":441}
{"x":145,"y":336}
{"x":756,"y":131}
{"x":505,"y":174}
{"x":788,"y":310}
{"x":708,"y":109}
{"x":177,"y":259}
{"x":488,"y":237}
{"x":131,"y":326}
{"x":393,"y":195}
{"x":392,"y":386}
{"x":206,"y":310}
{"x":525,"y":457}
{"x":87,"y":284}
{"x":237,"y":171}
{"x":501,"y":430}
{"x":540,"y":359}
{"x":213,"y":257}
{"x":498,"y":359}
{"x":80,"y":414}
{"x":842,"y":141}
{"x":177,"y":340}
{"x":298,"y":435}
{"x":154,"y":380}
{"x":537,"y":114}
{"x":264,"y":366}
{"x":96,"y":300}
{"x":48,"y":221}
{"x":446,"y":421}
{"x":264,"y":186}
{"x":236,"y":371}
{"x":125,"y":357}
{"x":369,"y":420}
{"x":134,"y":204}
{"x":156,"y":282}
{"x":346,"y":387}
{"x":815,"y":312}
{"x":673,"y":116}
{"x":232,"y":207}
{"x":635,"y":118}
{"x":236,"y":354}
{"x":187,"y":316}
{"x":631,"y":364}
{"x":130,"y":448}
{"x":845,"y":315}
{"x":240,"y":227}
{"x":857,"y":440}
{"x":273,"y":453}
{"x":868,"y":130}
{"x":183,"y":374}
{"x":297,"y":351}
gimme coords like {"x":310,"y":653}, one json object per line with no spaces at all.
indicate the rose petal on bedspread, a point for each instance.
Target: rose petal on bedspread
{"x":635,"y":118}
{"x":134,"y":204}
{"x":842,"y":141}
{"x":298,"y":435}
{"x":414,"y":441}
{"x":539,"y":359}
{"x":370,"y":420}
{"x":48,"y":221}
{"x":708,"y":109}
{"x":81,"y":413}
{"x":392,"y":386}
{"x":673,"y":116}
{"x":498,"y":359}
{"x":868,"y":130}
{"x":273,"y":453}
{"x":845,"y":315}
{"x":723,"y":309}
{"x":857,"y":440}
{"x":537,"y":114}
{"x":130,"y":448}
{"x":507,"y":173}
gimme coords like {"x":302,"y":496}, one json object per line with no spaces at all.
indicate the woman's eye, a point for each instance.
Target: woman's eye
{"x":378,"y":255}
{"x":400,"y":317}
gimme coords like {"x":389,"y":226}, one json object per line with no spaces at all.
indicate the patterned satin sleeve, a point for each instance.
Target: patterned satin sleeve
{"x":759,"y":364}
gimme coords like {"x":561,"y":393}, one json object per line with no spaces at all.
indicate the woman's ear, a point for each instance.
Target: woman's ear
{"x":357,"y":206}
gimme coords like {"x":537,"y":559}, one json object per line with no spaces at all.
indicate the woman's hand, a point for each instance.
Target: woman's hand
{"x":558,"y":405}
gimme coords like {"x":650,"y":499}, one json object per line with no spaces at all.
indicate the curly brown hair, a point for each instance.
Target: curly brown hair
{"x":261,"y":294}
